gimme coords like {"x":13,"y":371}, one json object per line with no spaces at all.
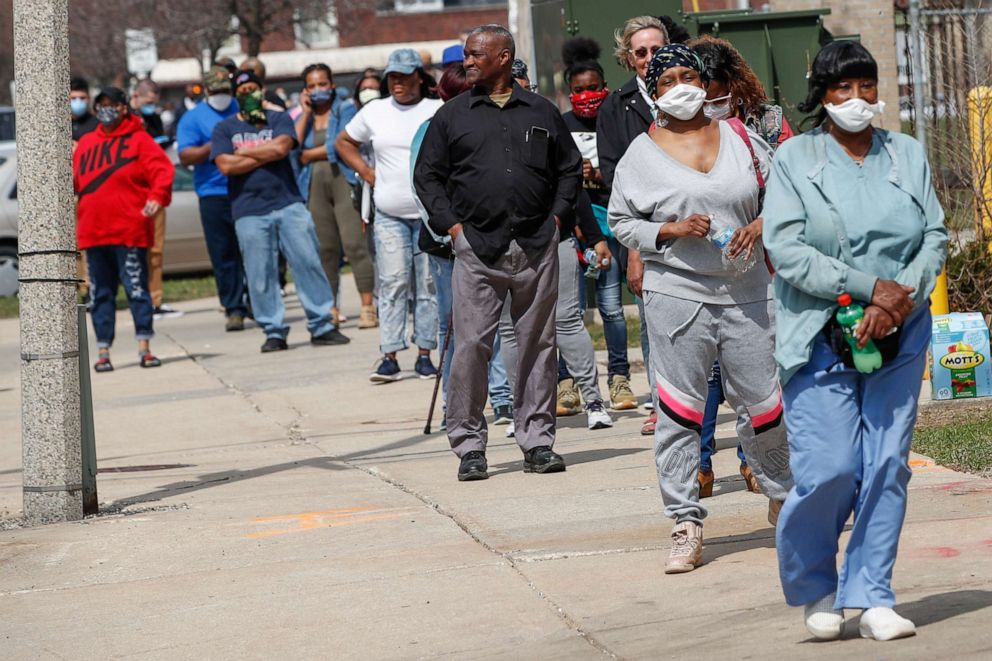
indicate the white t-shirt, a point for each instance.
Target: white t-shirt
{"x":389,"y":128}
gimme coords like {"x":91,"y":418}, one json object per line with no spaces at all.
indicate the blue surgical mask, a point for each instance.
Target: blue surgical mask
{"x":148,"y":109}
{"x":320,"y":97}
{"x":79,"y":107}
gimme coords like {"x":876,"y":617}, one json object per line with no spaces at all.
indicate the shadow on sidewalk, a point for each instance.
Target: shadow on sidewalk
{"x":939,"y":607}
{"x":571,"y":459}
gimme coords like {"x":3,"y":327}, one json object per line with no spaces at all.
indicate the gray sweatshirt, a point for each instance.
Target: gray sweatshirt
{"x":650,"y":187}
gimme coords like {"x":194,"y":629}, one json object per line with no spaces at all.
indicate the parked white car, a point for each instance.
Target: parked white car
{"x":185,"y":248}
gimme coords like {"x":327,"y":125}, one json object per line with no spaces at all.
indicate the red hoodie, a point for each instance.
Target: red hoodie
{"x":115,"y":174}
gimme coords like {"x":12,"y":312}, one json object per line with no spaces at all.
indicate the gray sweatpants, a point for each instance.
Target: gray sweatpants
{"x":686,"y":337}
{"x":574,"y":341}
{"x":479,"y":292}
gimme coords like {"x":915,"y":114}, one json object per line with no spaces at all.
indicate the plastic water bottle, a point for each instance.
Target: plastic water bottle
{"x":720,"y":237}
{"x":592,"y":262}
{"x":850,"y":314}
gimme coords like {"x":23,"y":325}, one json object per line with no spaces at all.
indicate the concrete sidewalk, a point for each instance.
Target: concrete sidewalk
{"x":280,"y":506}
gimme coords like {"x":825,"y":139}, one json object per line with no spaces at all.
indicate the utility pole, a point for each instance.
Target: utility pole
{"x":50,"y":418}
{"x":916,"y":65}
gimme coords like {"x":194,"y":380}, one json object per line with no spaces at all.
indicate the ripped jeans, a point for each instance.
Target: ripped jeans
{"x":111,"y":266}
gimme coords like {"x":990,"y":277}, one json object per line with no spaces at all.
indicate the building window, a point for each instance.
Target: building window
{"x":318,"y":34}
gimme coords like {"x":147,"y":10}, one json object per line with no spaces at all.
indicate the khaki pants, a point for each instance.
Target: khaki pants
{"x":155,"y":260}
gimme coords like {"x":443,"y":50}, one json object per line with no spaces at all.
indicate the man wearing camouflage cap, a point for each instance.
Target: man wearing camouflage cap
{"x":193,"y":144}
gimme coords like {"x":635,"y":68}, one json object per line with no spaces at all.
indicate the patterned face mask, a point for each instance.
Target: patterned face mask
{"x":107,"y":115}
{"x":586,"y":104}
{"x":250,"y":104}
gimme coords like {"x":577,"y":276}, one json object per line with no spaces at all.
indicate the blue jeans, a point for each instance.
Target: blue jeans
{"x":707,"y":437}
{"x":110,"y":266}
{"x":225,"y":256}
{"x":401,"y":265}
{"x":500,"y":393}
{"x":291,"y":231}
{"x":849,"y":440}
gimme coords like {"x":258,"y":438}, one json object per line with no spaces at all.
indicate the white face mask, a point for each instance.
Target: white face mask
{"x":718,"y":108}
{"x":682,"y":101}
{"x":220,"y":102}
{"x":854,"y":115}
{"x":367,"y":95}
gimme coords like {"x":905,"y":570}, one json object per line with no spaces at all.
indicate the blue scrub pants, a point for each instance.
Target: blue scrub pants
{"x":849,"y":439}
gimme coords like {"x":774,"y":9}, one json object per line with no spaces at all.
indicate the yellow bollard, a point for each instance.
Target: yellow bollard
{"x":980,"y":134}
{"x":938,"y":299}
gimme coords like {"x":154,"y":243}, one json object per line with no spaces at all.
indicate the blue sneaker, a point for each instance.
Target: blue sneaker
{"x":387,"y":372}
{"x":425,"y":368}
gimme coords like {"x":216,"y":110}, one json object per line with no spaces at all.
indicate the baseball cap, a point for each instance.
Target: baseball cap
{"x":453,"y":54}
{"x":404,"y":61}
{"x":217,"y":79}
{"x":115,"y":94}
{"x":245,"y":76}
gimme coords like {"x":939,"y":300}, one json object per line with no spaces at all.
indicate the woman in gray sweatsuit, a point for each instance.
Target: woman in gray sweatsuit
{"x":674,"y":190}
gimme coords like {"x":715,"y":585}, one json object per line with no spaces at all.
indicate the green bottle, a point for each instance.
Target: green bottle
{"x":868,"y":359}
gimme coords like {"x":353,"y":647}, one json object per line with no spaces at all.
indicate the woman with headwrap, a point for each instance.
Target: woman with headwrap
{"x":686,"y":196}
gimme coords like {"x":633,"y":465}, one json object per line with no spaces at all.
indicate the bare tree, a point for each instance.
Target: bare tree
{"x":258,"y":19}
{"x":195,"y":28}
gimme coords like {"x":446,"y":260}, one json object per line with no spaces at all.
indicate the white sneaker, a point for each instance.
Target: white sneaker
{"x":885,"y":624}
{"x":687,"y":548}
{"x":823,"y":620}
{"x":509,"y":430}
{"x":597,"y":416}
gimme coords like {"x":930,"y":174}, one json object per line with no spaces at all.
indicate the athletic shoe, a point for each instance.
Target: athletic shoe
{"x":330,"y":338}
{"x":621,"y":396}
{"x":823,"y":620}
{"x":235,"y":322}
{"x":687,"y":548}
{"x":167,"y":312}
{"x":511,"y":430}
{"x":473,"y":467}
{"x":387,"y":372}
{"x":885,"y":624}
{"x":425,"y":368}
{"x":368,"y":317}
{"x":597,"y":417}
{"x":274,"y":344}
{"x":503,"y":414}
{"x":543,"y":459}
{"x":569,"y":402}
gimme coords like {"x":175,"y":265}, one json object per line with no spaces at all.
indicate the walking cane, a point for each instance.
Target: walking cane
{"x":440,"y":375}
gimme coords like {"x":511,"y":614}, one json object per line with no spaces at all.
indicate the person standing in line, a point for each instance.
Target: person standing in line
{"x":734,"y":93}
{"x":389,"y":127}
{"x":624,"y":115}
{"x":452,"y":83}
{"x":326,"y":183}
{"x":272,"y":101}
{"x":83,"y":121}
{"x":851,"y":210}
{"x":586,"y":83}
{"x":193,"y":143}
{"x":251,"y":148}
{"x":368,"y":88}
{"x":674,"y":192}
{"x":498,"y":172}
{"x":122,"y":179}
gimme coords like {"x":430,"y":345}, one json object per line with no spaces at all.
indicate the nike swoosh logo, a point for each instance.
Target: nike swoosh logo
{"x":102,"y":178}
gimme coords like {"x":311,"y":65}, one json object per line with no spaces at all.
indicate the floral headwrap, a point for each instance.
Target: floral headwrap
{"x":667,"y":57}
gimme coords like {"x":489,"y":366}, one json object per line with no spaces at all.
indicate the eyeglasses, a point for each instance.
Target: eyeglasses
{"x":642,"y":52}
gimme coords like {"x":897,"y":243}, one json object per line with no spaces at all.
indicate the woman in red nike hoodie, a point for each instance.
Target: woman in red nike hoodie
{"x":122,"y":179}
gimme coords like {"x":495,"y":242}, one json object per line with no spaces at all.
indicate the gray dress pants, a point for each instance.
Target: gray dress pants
{"x":479,"y":291}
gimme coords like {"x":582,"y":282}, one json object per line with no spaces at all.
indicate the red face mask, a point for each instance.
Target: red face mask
{"x":586,"y":104}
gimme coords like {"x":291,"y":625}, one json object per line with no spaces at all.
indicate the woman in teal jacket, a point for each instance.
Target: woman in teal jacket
{"x":849,"y":209}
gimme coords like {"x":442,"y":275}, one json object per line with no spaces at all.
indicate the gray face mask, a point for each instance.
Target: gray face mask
{"x":107,"y":115}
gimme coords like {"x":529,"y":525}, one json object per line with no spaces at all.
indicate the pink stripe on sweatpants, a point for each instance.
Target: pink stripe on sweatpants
{"x":769,"y":416}
{"x":679,"y":407}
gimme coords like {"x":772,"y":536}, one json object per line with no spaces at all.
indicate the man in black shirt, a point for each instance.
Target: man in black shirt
{"x":83,"y":120}
{"x":499,"y":172}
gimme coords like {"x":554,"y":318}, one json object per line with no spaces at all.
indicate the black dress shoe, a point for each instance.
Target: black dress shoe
{"x":333,"y":336}
{"x":274,"y":344}
{"x":473,"y":467}
{"x":543,"y":459}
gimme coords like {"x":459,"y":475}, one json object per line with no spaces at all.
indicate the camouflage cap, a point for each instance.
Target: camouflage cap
{"x":217,"y":79}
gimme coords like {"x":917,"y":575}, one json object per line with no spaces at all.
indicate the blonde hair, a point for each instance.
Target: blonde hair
{"x":623,"y":36}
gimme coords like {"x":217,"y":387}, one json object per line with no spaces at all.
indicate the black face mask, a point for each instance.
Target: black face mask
{"x":107,"y":115}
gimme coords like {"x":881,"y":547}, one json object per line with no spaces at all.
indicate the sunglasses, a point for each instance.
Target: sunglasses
{"x":642,"y":52}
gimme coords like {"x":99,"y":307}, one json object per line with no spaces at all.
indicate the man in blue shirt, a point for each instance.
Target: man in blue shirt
{"x":252,"y":149}
{"x":193,"y":143}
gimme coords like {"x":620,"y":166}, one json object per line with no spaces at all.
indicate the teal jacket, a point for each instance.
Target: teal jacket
{"x":810,"y":243}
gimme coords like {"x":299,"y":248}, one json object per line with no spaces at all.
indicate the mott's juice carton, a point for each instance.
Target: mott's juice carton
{"x":960,"y":365}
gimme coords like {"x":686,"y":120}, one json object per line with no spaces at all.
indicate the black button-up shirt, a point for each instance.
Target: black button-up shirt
{"x":504,"y":173}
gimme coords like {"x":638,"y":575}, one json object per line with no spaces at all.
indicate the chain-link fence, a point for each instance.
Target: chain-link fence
{"x":956,"y":78}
